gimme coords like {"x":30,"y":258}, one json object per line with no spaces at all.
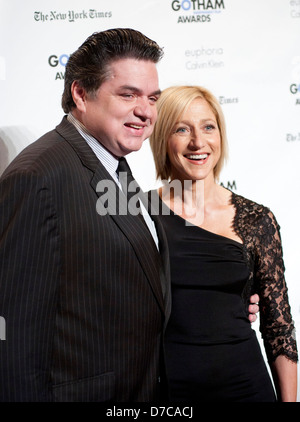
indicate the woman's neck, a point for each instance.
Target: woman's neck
{"x":194,"y":200}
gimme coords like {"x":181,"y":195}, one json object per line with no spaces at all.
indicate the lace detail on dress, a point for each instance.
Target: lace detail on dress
{"x":260,"y":233}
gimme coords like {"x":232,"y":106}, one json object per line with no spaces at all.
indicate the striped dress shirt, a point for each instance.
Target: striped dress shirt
{"x":111,"y":164}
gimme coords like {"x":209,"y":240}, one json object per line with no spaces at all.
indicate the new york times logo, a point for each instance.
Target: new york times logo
{"x":70,"y":15}
{"x":199,"y":10}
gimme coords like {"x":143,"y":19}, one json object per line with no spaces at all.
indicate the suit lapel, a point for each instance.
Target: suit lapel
{"x":68,"y":131}
{"x":164,"y":254}
{"x":131,"y":226}
{"x":133,"y":229}
{"x":153,"y":210}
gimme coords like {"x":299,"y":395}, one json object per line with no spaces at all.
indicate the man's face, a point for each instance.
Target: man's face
{"x":122,"y":113}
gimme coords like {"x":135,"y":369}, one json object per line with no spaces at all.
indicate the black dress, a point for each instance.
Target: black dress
{"x":212,"y":353}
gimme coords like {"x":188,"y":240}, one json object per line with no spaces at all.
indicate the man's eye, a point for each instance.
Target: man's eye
{"x":128,"y":96}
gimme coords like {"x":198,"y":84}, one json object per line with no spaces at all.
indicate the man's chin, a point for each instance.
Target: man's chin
{"x":131,"y":147}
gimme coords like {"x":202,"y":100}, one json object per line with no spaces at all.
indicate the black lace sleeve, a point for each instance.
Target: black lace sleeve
{"x":257,"y":227}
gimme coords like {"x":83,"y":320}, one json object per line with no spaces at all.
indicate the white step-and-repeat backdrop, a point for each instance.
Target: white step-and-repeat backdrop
{"x":247,"y":52}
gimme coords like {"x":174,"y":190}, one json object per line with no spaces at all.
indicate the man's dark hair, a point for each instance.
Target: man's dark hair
{"x":89,"y":64}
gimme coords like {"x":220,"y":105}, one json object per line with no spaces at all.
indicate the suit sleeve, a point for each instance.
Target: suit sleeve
{"x":29,"y":275}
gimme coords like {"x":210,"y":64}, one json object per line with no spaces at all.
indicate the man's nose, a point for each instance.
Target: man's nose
{"x":143,"y":109}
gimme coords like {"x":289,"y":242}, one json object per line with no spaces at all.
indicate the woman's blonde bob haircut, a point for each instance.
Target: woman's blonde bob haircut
{"x":170,"y":107}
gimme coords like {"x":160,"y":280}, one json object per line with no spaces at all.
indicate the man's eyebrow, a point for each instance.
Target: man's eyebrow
{"x":138,"y":91}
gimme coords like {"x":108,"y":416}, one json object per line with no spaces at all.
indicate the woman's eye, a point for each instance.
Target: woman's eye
{"x":209,"y":127}
{"x":181,"y":130}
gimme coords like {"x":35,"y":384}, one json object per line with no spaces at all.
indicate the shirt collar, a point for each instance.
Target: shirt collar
{"x":103,"y":155}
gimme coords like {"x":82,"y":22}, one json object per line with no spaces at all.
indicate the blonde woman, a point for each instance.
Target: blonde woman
{"x":223,"y":247}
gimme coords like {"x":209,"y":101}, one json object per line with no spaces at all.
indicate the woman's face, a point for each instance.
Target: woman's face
{"x":194,"y":147}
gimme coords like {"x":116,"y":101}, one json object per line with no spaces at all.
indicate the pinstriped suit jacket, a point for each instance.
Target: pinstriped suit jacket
{"x":81,"y":294}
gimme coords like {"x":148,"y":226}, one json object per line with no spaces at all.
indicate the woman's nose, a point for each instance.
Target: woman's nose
{"x":197,"y":140}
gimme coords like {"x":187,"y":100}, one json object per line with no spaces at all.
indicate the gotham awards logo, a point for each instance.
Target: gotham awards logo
{"x":58,"y":62}
{"x":196,"y":11}
{"x":295,"y":85}
{"x":295,"y":9}
{"x":294,"y":134}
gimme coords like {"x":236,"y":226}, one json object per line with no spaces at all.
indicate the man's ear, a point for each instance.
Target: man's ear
{"x":79,"y":96}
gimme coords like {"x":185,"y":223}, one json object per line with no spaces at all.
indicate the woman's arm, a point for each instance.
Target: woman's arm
{"x":276,"y":323}
{"x":284,"y":373}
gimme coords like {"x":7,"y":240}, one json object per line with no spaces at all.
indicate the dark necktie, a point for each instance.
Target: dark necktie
{"x":128,"y":182}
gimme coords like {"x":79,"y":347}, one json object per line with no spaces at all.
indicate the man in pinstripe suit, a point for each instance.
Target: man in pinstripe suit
{"x":85,"y":297}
